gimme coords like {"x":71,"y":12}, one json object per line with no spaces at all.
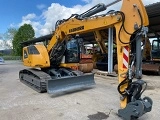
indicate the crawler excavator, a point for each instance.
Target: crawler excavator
{"x":61,"y":60}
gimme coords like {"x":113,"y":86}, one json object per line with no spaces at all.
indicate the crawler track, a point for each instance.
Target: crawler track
{"x":34,"y":78}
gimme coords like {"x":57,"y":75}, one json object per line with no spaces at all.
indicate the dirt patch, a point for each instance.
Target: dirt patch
{"x":98,"y":116}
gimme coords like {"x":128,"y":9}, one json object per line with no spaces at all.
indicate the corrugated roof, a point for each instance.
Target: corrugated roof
{"x":153,"y":11}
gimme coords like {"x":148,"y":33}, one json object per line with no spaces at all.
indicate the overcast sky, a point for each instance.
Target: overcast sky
{"x":42,"y":14}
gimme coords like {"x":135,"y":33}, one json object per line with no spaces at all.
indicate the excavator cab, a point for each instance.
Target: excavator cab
{"x":72,"y":51}
{"x":155,"y":53}
{"x":75,"y":56}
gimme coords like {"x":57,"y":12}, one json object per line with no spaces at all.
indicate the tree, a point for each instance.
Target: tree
{"x":24,"y":33}
{"x":8,"y":36}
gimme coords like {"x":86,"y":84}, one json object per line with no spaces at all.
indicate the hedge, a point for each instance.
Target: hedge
{"x":12,"y":57}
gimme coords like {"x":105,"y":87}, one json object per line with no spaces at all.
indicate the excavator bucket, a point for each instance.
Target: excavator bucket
{"x":70,"y":84}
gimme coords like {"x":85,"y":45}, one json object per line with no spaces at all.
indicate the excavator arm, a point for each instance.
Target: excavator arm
{"x":129,"y":24}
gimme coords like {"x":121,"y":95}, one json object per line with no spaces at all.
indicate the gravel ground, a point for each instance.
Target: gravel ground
{"x":19,"y":102}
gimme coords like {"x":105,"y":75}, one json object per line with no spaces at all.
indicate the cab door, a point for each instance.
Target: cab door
{"x":25,"y":57}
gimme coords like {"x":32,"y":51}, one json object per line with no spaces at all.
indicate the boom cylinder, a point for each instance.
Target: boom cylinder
{"x":112,"y":3}
{"x":96,"y":9}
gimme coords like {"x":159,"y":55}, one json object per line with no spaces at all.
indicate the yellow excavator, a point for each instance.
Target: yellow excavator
{"x":60,"y":64}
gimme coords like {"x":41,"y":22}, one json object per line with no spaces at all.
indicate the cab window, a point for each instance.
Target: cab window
{"x":72,"y":51}
{"x":32,"y":50}
{"x":155,"y":45}
{"x":25,"y":54}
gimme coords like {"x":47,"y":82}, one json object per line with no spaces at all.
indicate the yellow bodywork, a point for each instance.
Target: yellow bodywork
{"x":95,"y":24}
{"x":36,"y":60}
